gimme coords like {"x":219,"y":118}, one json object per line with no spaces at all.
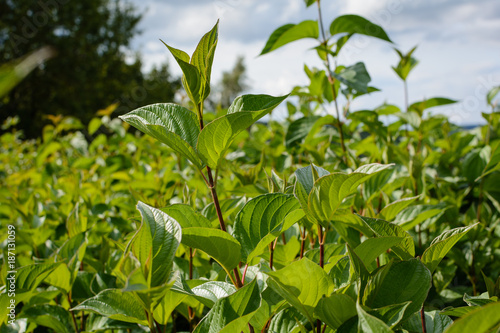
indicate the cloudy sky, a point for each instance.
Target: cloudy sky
{"x":458,"y":45}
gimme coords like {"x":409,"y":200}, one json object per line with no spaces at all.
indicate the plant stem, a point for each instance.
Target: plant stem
{"x":244,"y":274}
{"x":331,"y":80}
{"x":271,"y":255}
{"x":422,"y":317}
{"x":73,"y":316}
{"x":321,"y":240}
{"x":302,"y":242}
{"x":318,"y":326}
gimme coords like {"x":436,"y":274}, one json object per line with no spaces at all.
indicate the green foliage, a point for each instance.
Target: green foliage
{"x":236,"y":230}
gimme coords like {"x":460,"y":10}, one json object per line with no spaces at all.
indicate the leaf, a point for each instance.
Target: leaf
{"x":329,"y":191}
{"x":309,"y":2}
{"x":214,"y":290}
{"x":493,"y":162}
{"x":217,"y":136}
{"x":171,"y":124}
{"x":232,"y":313}
{"x":155,"y":244}
{"x":414,"y":215}
{"x":13,"y":72}
{"x":369,"y":323}
{"x":481,"y":320}
{"x":289,"y":33}
{"x":261,"y":220}
{"x":391,"y":314}
{"x":398,"y":283}
{"x":354,"y":24}
{"x":115,"y":304}
{"x":216,"y":243}
{"x":355,"y":77}
{"x":288,"y":320}
{"x":479,"y":300}
{"x":163,"y":311}
{"x":371,"y":248}
{"x":29,"y":277}
{"x":76,"y":222}
{"x":51,"y":316}
{"x":419,"y":107}
{"x":302,"y":283}
{"x":390,"y":211}
{"x":186,"y":216}
{"x":490,"y":96}
{"x":203,"y":57}
{"x":335,"y":309}
{"x":191,"y":79}
{"x":298,"y":130}
{"x":442,"y":244}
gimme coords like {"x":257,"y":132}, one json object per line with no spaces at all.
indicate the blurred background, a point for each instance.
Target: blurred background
{"x":109,"y":51}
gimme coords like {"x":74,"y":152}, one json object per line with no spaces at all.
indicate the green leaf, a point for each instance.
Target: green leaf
{"x":76,"y":222}
{"x":434,"y":322}
{"x":371,"y":248}
{"x":163,"y":311}
{"x":481,"y":320}
{"x":214,"y":290}
{"x":441,"y":245}
{"x":419,"y":107}
{"x":414,"y":215}
{"x":29,"y":277}
{"x":191,"y":79}
{"x":391,"y":314}
{"x":458,"y":312}
{"x":155,"y":244}
{"x":203,"y":57}
{"x":186,"y":216}
{"x":355,"y":77}
{"x":51,"y":316}
{"x":289,"y":33}
{"x":390,"y":211}
{"x":335,"y":309}
{"x":329,"y":191}
{"x":232,"y":313}
{"x":216,"y":243}
{"x":217,"y":136}
{"x":171,"y":124}
{"x":13,"y":72}
{"x":369,"y":323}
{"x":399,"y":282}
{"x":493,"y":162}
{"x":298,"y":130}
{"x":310,"y":2}
{"x":263,"y":219}
{"x":354,"y":24}
{"x":302,"y":283}
{"x":480,"y":300}
{"x":288,"y":320}
{"x":489,"y":97}
{"x":404,"y":250}
{"x":115,"y":304}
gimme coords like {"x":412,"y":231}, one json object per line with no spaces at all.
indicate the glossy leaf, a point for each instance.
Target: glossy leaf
{"x":356,"y":24}
{"x":399,"y":282}
{"x":171,"y":124}
{"x":232,"y":313}
{"x":203,"y":58}
{"x":217,"y":136}
{"x":302,"y":283}
{"x":481,"y":320}
{"x":115,"y":304}
{"x":371,"y":248}
{"x":263,"y":219}
{"x":390,"y":211}
{"x":369,"y":323}
{"x":355,"y":77}
{"x":216,"y":243}
{"x":289,"y":33}
{"x":155,"y":244}
{"x":51,"y":316}
{"x":336,"y":309}
{"x":329,"y":191}
{"x":441,"y":245}
{"x":186,"y":216}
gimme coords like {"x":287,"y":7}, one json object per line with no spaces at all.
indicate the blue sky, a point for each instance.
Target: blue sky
{"x":458,"y":45}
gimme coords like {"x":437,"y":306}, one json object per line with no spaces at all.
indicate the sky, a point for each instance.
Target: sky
{"x":458,"y":45}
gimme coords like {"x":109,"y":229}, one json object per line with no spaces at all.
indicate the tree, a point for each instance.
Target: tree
{"x":233,"y":83}
{"x":91,"y":69}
